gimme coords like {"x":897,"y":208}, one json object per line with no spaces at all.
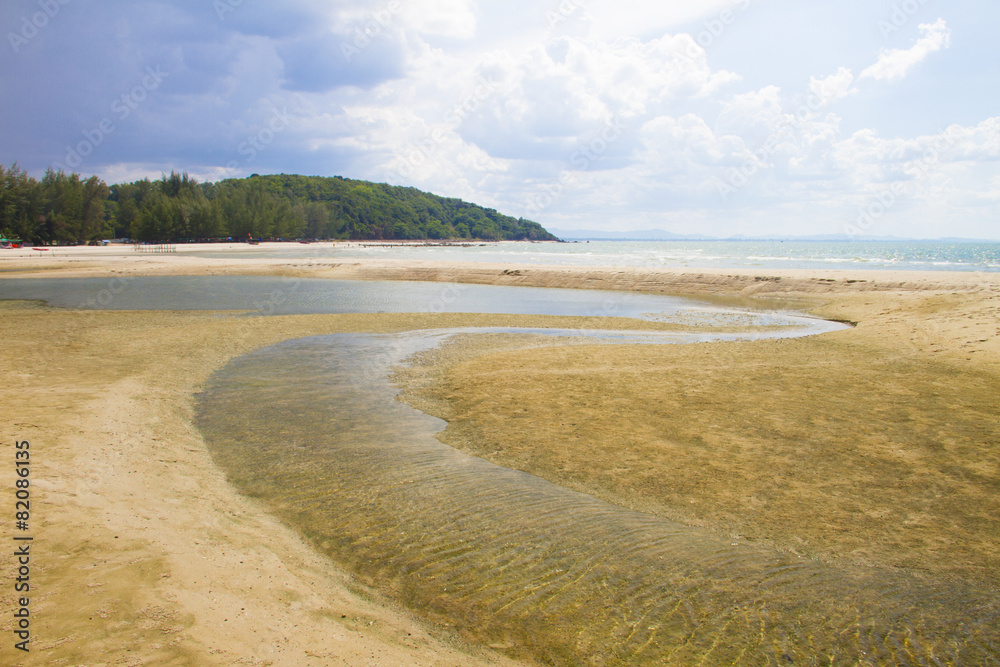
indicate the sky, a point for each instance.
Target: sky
{"x":759,"y":118}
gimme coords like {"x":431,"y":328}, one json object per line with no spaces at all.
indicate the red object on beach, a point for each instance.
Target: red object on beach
{"x":41,"y":249}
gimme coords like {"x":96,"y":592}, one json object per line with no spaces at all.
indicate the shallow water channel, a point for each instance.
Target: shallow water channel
{"x":313,"y":428}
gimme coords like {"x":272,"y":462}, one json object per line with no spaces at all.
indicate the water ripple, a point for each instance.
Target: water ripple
{"x":552,"y":574}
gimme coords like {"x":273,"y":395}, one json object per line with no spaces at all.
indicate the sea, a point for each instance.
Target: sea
{"x":868,"y":255}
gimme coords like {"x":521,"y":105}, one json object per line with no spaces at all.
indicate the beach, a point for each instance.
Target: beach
{"x":872,"y":446}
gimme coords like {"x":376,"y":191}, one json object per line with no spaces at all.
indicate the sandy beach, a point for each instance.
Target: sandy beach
{"x":875,"y":445}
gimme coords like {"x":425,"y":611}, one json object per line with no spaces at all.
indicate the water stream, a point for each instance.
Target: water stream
{"x":313,"y":428}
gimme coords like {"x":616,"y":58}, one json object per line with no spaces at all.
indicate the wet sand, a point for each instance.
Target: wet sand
{"x":872,"y":445}
{"x":875,"y":446}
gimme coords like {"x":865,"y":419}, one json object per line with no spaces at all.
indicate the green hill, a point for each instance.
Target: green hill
{"x":69,"y":209}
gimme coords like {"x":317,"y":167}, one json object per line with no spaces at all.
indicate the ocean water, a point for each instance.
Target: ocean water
{"x":876,"y":255}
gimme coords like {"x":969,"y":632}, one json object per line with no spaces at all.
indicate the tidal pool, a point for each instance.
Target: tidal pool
{"x":261,"y":295}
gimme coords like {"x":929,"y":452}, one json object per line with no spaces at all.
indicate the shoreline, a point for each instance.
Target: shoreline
{"x":119,"y":466}
{"x":111,"y":261}
{"x":239,"y":259}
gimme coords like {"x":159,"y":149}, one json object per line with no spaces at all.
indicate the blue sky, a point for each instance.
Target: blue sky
{"x":720,"y":117}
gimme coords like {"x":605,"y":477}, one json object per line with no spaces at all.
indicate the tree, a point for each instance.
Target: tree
{"x":20,"y":205}
{"x":317,"y":221}
{"x":159,"y":222}
{"x":93,"y":223}
{"x":67,"y":209}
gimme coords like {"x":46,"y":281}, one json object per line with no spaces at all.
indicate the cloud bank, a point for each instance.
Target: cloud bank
{"x":572,"y":113}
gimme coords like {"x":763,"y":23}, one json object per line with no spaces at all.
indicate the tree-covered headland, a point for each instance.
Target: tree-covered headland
{"x":67,"y":209}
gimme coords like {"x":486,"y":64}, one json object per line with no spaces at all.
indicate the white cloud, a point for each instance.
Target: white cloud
{"x":449,"y":18}
{"x":753,"y":115}
{"x":834,"y":87}
{"x":896,"y":156}
{"x":976,"y":143}
{"x":517,"y":142}
{"x":893,"y":64}
{"x":446,"y":18}
{"x":541,"y":103}
{"x":618,"y":19}
{"x":677,"y":145}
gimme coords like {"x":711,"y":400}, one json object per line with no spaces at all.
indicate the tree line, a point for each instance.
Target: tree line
{"x":69,"y":209}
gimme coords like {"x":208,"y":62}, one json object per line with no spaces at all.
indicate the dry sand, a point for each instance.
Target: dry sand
{"x":142,"y":553}
{"x":875,"y":444}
